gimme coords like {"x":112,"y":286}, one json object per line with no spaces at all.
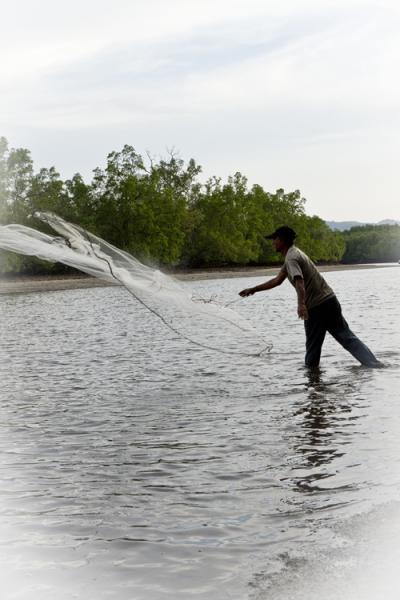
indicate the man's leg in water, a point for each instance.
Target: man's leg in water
{"x":315,"y":334}
{"x":339,"y":329}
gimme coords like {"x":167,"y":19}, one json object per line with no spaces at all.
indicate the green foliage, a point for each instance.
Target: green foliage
{"x":159,"y":211}
{"x":226,"y":226}
{"x":4,"y":194}
{"x":319,"y":241}
{"x":144,"y":208}
{"x":372,"y":243}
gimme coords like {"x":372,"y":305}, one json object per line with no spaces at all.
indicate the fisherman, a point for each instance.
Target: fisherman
{"x":317,"y":304}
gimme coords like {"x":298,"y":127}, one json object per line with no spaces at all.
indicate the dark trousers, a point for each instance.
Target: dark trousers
{"x":327,"y":316}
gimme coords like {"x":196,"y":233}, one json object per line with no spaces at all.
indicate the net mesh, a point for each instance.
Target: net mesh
{"x":206,"y":322}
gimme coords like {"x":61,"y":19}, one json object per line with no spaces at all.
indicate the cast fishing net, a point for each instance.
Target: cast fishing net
{"x":203,"y":321}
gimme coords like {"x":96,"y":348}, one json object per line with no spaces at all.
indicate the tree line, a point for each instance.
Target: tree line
{"x":372,"y":243}
{"x":160,"y":211}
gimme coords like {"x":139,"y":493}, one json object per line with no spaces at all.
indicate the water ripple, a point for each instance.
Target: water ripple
{"x":136,"y":466}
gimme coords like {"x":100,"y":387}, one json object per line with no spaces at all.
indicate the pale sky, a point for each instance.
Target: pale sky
{"x":299,"y":94}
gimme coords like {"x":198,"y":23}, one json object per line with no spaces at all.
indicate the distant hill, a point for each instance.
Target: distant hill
{"x":344,"y":225}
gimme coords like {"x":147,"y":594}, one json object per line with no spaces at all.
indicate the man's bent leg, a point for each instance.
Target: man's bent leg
{"x":315,"y":335}
{"x":339,"y":329}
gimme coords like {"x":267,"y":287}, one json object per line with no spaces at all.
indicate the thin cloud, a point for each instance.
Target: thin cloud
{"x":237,"y":86}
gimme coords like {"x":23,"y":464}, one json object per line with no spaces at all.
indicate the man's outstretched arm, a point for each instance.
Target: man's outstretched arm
{"x":268,"y":285}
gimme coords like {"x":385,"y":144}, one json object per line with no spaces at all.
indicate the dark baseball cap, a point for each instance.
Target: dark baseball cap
{"x":285,"y":233}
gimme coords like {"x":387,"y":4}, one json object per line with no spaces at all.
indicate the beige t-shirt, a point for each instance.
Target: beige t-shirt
{"x":298,"y":264}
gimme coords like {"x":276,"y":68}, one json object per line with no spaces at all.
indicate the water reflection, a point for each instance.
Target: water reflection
{"x":323,"y":416}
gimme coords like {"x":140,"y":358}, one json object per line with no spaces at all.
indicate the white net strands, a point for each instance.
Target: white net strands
{"x":202,"y":321}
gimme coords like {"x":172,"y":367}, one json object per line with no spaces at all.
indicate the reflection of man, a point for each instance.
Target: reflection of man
{"x":317,"y":303}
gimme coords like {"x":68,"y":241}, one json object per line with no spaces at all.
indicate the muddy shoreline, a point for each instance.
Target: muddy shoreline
{"x":29,"y":284}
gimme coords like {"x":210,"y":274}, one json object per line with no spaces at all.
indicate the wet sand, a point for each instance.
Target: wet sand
{"x":24,"y":284}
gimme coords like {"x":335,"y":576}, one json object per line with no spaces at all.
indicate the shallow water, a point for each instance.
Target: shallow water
{"x":137,"y":466}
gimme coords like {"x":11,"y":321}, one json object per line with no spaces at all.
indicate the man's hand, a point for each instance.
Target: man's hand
{"x":247,"y":292}
{"x":268,"y":285}
{"x":302,"y":312}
